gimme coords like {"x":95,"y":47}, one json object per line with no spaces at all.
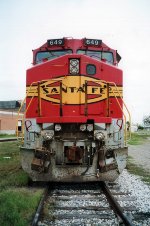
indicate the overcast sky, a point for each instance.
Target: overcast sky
{"x":121,"y":24}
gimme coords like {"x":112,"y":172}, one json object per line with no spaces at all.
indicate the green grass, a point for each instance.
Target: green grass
{"x":137,"y":170}
{"x":7,"y":135}
{"x":17,"y":202}
{"x":17,"y":206}
{"x":137,"y":139}
{"x":11,"y":173}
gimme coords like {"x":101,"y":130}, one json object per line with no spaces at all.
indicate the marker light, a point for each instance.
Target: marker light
{"x":48,"y":135}
{"x":74,"y":66}
{"x":90,"y":127}
{"x":57,"y":127}
{"x":83,"y":127}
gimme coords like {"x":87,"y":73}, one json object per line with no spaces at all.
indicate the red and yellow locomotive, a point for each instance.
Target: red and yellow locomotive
{"x":74,"y":128}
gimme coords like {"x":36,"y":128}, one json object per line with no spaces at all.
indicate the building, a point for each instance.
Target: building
{"x":134,"y":128}
{"x":9,"y":117}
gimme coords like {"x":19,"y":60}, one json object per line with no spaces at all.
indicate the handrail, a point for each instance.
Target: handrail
{"x":124,"y":117}
{"x":103,"y":81}
{"x":39,"y":99}
{"x":125,"y":107}
{"x":22,"y":103}
{"x":24,"y":112}
{"x":86,"y":104}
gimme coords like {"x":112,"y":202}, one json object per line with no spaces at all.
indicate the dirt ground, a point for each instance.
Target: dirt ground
{"x":141,"y":154}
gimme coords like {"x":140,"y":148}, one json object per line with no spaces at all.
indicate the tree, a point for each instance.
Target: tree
{"x":140,"y":127}
{"x":146,"y":120}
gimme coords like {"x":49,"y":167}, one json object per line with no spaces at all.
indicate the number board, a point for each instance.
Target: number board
{"x":92,"y":42}
{"x":55,"y":42}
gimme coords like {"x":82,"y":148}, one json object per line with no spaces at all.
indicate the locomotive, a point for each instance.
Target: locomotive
{"x":74,"y":125}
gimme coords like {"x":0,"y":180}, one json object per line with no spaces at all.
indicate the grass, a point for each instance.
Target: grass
{"x":11,"y":173}
{"x":3,"y":135}
{"x":17,"y":206}
{"x":17,"y":202}
{"x":137,"y":138}
{"x":137,"y":170}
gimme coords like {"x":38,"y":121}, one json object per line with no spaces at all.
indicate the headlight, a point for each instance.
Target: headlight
{"x":47,"y":135}
{"x":90,"y":127}
{"x":74,"y":66}
{"x":57,"y":127}
{"x":100,"y":136}
{"x":83,"y":127}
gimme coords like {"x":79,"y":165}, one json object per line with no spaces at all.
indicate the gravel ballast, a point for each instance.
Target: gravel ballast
{"x":133,"y":184}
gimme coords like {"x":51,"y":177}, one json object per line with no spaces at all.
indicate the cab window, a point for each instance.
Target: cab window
{"x":100,"y":55}
{"x":49,"y":55}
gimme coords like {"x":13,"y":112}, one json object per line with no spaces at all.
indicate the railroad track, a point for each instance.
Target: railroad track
{"x":84,"y":204}
{"x":8,"y":139}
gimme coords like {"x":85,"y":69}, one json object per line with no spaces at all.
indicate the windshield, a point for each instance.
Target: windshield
{"x":49,"y":55}
{"x":108,"y":56}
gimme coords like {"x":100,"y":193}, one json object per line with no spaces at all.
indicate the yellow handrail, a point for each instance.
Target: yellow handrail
{"x":124,"y":117}
{"x":28,"y":105}
{"x":103,"y":81}
{"x":24,"y":112}
{"x":125,"y":107}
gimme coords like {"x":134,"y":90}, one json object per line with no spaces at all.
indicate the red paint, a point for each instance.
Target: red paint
{"x":57,"y":67}
{"x":69,"y":119}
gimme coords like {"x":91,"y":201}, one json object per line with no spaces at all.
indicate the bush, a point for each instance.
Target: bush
{"x":140,"y":127}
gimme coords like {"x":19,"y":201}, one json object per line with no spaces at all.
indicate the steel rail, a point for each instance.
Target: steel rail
{"x":115,"y":205}
{"x":40,"y":207}
{"x":8,"y":139}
